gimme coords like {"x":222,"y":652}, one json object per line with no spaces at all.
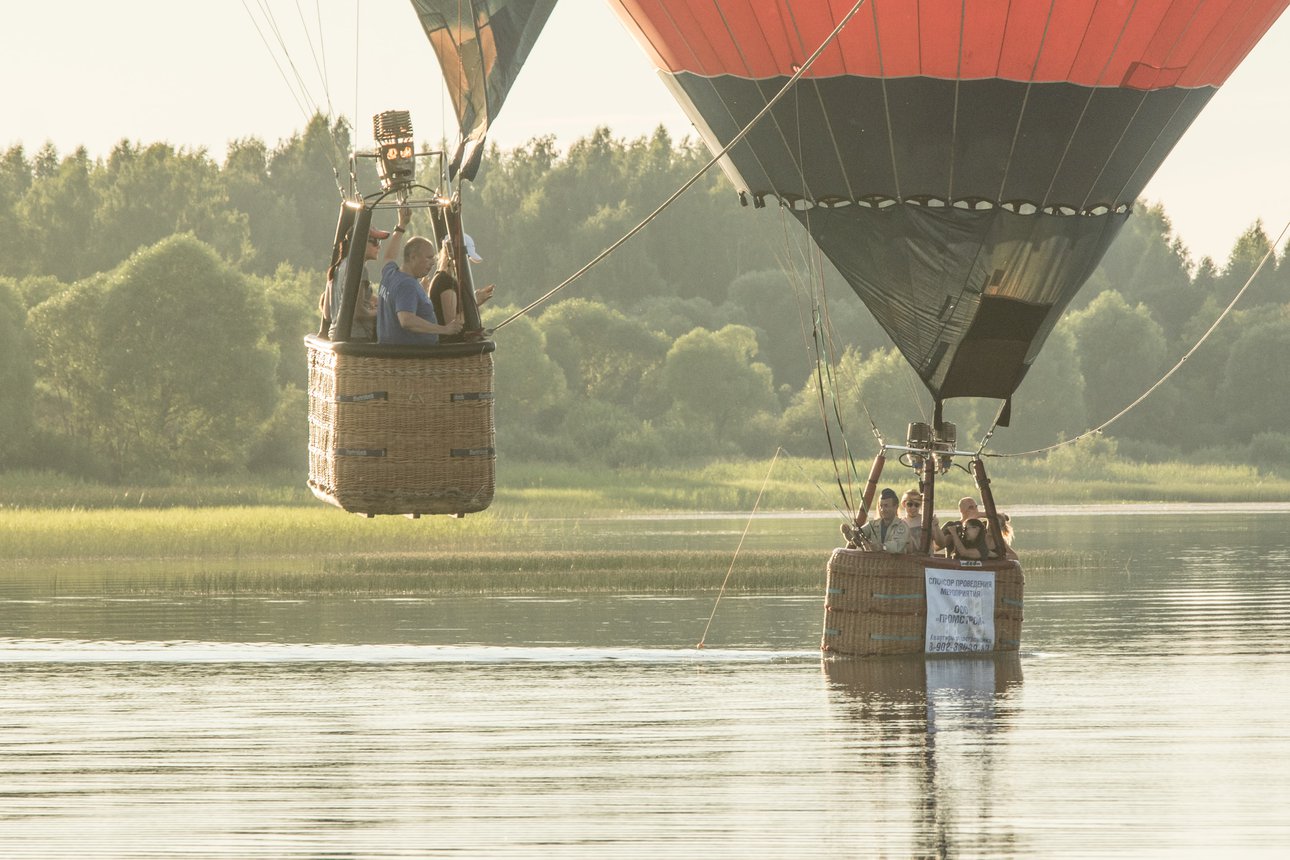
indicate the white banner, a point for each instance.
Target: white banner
{"x":960,"y":611}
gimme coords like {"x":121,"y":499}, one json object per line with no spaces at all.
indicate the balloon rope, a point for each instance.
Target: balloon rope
{"x":810,"y":61}
{"x":272,"y":24}
{"x":1272,"y":246}
{"x":747,"y":526}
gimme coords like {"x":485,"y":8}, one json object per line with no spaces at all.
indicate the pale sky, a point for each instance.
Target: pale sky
{"x":86,"y":72}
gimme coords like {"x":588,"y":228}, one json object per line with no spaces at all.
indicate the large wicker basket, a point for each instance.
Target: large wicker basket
{"x":402,"y":430}
{"x":876,"y":602}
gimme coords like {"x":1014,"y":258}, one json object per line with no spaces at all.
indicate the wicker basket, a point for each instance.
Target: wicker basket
{"x":402,"y":430}
{"x":876,"y":602}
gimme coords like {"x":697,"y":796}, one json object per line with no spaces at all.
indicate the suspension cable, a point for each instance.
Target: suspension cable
{"x":731,"y":569}
{"x":806,"y":65}
{"x":308,"y":103}
{"x":1272,"y":247}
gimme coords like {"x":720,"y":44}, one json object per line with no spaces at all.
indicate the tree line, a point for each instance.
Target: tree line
{"x":153,"y":301}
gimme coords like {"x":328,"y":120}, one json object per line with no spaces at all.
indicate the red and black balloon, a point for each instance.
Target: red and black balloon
{"x":963,"y":163}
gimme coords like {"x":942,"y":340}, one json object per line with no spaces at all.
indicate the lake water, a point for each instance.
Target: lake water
{"x":1148,"y":714}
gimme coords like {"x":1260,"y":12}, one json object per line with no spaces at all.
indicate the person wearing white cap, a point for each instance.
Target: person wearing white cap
{"x":442,"y":286}
{"x":470,"y":248}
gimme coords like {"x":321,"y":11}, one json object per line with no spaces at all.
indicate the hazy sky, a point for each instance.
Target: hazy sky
{"x":86,"y":72}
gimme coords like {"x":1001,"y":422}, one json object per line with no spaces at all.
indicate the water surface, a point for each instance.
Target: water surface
{"x":1145,"y":716}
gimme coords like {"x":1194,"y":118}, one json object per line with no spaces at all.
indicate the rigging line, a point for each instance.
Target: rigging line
{"x":1025,"y":101}
{"x":824,"y":414}
{"x":828,"y":124}
{"x":326,"y":85}
{"x":686,"y":186}
{"x":774,"y":123}
{"x":272,"y":23}
{"x":320,"y":68}
{"x":735,"y":558}
{"x":829,"y":344}
{"x":818,"y":349}
{"x":1272,"y":247}
{"x":273,"y":56}
{"x":828,"y":500}
{"x":835,"y":362}
{"x":357,"y":52}
{"x":886,"y":102}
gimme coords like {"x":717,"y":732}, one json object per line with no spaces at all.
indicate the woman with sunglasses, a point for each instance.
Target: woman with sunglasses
{"x":911,"y":511}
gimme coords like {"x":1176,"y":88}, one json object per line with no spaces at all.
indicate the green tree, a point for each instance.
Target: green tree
{"x":879,"y":384}
{"x":292,"y":295}
{"x":17,"y":378}
{"x":604,"y":354}
{"x":715,"y":382}
{"x":184,"y":354}
{"x":1248,"y":252}
{"x":59,"y":208}
{"x":776,"y":305}
{"x":74,"y":406}
{"x":1148,"y":264}
{"x":302,"y":174}
{"x":146,"y":193}
{"x":1049,"y":403}
{"x":1121,"y":353}
{"x":1254,"y":389}
{"x":529,"y":384}
{"x":15,"y":181}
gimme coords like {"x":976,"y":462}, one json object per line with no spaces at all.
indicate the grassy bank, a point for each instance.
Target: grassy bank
{"x":317,"y":550}
{"x":529,"y":490}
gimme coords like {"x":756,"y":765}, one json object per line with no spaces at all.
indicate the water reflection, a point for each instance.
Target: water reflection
{"x":939,"y":716}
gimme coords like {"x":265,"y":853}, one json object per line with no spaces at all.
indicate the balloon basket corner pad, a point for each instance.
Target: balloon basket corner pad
{"x":887,"y":603}
{"x":402,"y":430}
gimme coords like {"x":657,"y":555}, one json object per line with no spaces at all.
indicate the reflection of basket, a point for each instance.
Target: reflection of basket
{"x":401,"y":430}
{"x":876,"y":602}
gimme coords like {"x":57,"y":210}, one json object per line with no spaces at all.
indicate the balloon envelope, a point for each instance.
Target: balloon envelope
{"x":481,"y":45}
{"x":964,"y":165}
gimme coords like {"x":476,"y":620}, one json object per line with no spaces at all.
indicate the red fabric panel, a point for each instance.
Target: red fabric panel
{"x":1140,"y":43}
{"x":940,"y":23}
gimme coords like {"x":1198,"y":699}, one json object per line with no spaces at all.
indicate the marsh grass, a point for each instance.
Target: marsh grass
{"x":544,"y":490}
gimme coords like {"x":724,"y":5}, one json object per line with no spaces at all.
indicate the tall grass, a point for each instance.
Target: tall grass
{"x":544,"y":490}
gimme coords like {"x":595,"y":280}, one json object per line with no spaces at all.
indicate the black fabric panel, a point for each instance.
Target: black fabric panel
{"x":1051,"y":143}
{"x":968,"y":296}
{"x":481,"y":45}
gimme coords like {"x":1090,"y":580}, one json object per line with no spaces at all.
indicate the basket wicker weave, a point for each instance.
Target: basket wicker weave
{"x":876,"y":602}
{"x":399,"y":430}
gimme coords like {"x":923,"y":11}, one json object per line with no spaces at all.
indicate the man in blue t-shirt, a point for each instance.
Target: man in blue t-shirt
{"x":405,"y":314}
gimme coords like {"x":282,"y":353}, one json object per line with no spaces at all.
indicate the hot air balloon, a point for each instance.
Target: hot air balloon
{"x":965,"y":166}
{"x":397,"y":429}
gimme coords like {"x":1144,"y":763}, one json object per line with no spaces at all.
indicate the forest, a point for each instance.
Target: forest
{"x":153,"y":304}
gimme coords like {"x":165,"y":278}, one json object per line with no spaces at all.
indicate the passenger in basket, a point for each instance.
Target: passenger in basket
{"x":364,"y":327}
{"x":442,"y":286}
{"x":911,"y":514}
{"x":970,"y":542}
{"x":405,"y":314}
{"x":887,"y":533}
{"x":968,"y":510}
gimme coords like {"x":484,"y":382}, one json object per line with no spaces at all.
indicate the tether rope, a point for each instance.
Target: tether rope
{"x":1272,"y":247}
{"x":810,"y":61}
{"x":731,"y":569}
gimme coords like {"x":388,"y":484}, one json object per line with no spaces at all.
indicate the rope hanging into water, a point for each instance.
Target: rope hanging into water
{"x":747,"y":526}
{"x":693,"y":179}
{"x":1272,"y":247}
